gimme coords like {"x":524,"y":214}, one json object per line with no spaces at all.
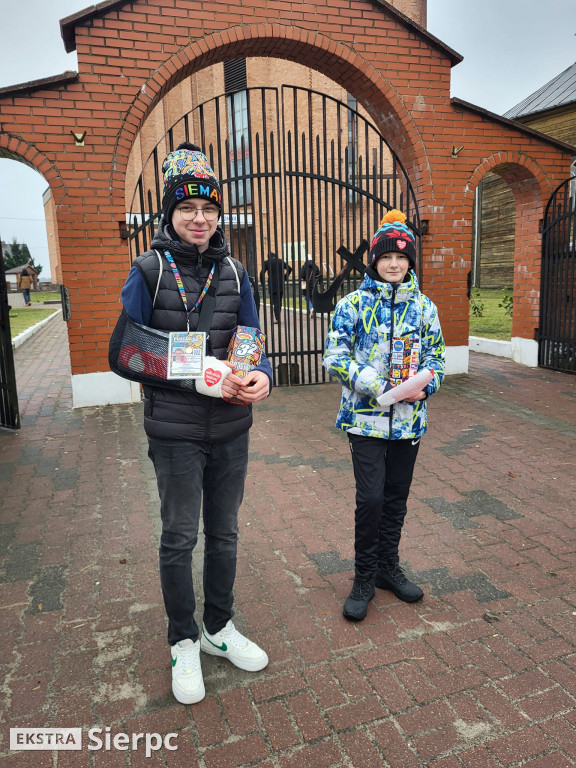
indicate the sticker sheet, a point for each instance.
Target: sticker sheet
{"x":405,"y":357}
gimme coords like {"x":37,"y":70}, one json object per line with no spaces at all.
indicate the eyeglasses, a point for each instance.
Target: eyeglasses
{"x":189,"y":213}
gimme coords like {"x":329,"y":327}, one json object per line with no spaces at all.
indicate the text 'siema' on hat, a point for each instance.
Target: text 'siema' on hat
{"x":187,"y":173}
{"x":393,"y":235}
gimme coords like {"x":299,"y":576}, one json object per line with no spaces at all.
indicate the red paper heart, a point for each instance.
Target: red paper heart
{"x":212,"y":377}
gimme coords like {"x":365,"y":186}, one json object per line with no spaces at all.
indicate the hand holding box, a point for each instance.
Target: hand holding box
{"x":245,"y":350}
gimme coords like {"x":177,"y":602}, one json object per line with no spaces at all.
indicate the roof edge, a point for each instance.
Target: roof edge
{"x":454,"y":56}
{"x":45,"y":82}
{"x":513,"y":124}
{"x":557,"y":110}
{"x":68,"y":23}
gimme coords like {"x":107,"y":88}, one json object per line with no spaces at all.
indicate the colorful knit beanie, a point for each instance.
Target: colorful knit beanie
{"x":187,"y":173}
{"x":393,"y":235}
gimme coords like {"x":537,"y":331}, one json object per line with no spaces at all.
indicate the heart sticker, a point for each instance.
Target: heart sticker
{"x":212,"y":377}
{"x":401,"y":244}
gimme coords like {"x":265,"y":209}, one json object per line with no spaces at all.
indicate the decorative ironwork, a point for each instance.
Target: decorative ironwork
{"x":303,"y":176}
{"x":557,"y":332}
{"x":325,"y":302}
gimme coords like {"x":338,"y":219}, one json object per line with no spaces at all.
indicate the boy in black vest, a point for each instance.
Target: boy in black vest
{"x":198,"y":440}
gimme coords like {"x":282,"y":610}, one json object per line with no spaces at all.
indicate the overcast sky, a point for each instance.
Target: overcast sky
{"x":510,"y":48}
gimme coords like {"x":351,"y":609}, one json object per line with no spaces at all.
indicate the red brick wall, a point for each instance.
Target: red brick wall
{"x":134,"y":54}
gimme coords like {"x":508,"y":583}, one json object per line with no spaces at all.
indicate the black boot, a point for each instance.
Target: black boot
{"x":356,"y":606}
{"x":392,"y":577}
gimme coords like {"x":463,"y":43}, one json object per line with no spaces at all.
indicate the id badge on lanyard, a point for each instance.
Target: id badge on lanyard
{"x":186,"y":354}
{"x":187,"y":349}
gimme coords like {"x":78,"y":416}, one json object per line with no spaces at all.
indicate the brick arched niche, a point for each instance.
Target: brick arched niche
{"x":344,"y":66}
{"x":14,"y":148}
{"x":531,"y":190}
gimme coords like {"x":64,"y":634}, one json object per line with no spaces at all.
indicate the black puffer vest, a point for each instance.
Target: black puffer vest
{"x":184,"y":415}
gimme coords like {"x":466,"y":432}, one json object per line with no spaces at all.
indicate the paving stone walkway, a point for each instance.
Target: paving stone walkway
{"x":480,"y":674}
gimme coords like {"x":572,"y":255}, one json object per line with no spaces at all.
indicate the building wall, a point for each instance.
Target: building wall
{"x":414,"y":9}
{"x":497,"y":234}
{"x":560,"y":123}
{"x":52,"y":235}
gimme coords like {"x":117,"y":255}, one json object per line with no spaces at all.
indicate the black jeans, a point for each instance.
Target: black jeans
{"x":192,"y":475}
{"x":383,"y":471}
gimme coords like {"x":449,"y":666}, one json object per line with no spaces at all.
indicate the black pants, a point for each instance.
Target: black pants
{"x":383,"y":471}
{"x":194,"y":479}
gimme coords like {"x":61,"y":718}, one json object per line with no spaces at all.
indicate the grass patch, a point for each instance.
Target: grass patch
{"x":39,"y":297}
{"x":22,"y":318}
{"x":493,"y":323}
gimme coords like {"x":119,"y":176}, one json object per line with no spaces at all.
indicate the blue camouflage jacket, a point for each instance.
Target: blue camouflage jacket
{"x":358,"y":354}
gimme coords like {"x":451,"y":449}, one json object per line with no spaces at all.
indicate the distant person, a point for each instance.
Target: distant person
{"x":380,"y":335}
{"x":278,"y":270}
{"x":24,"y":282}
{"x":309,"y":276}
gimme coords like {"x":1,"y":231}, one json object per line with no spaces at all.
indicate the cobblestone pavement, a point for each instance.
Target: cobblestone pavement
{"x":480,"y":674}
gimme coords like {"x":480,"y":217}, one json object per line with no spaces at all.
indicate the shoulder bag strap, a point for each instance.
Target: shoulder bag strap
{"x":209,"y":303}
{"x":159,"y":277}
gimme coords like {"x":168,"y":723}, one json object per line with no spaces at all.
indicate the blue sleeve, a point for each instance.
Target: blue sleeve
{"x":136,"y":298}
{"x":248,"y":316}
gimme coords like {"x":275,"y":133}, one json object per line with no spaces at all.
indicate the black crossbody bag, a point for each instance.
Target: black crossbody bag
{"x":139,"y":353}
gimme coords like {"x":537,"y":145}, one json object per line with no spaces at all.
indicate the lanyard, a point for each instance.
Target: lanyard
{"x":180,"y":285}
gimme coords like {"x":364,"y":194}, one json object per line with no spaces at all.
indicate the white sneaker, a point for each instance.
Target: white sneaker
{"x":187,"y":681}
{"x":230,"y":644}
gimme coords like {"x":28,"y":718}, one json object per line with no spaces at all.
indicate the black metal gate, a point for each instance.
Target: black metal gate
{"x":9,"y":413}
{"x":303,"y":176}
{"x":557,"y":335}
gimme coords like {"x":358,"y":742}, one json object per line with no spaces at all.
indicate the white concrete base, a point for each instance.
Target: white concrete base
{"x":457,"y":360}
{"x":525,"y":351}
{"x":106,"y":388}
{"x":521,"y":351}
{"x":494,"y":347}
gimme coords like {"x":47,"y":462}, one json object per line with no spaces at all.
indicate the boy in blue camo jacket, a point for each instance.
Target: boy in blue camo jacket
{"x":380,"y":335}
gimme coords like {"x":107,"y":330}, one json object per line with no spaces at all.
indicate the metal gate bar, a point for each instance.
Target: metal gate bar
{"x":9,"y":412}
{"x":557,"y":332}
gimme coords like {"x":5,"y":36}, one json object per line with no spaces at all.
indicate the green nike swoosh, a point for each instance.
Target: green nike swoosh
{"x":173,"y":660}
{"x":221,"y":647}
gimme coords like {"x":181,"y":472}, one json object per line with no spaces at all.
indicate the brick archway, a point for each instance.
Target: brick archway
{"x":131,"y":53}
{"x":346,"y":67}
{"x":531,"y":190}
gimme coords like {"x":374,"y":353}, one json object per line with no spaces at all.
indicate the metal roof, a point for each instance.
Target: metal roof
{"x":559,"y":92}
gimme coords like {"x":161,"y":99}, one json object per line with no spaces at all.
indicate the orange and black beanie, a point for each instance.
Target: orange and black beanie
{"x":187,"y":173}
{"x":393,"y":235}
